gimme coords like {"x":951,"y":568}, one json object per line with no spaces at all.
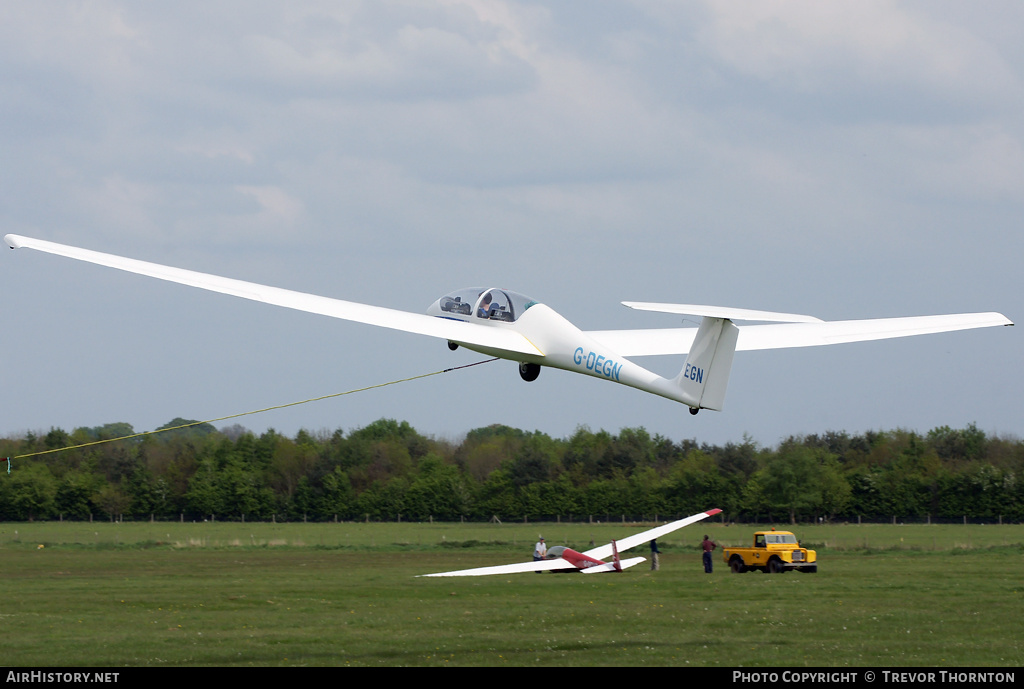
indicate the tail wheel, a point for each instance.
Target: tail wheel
{"x":529,"y":372}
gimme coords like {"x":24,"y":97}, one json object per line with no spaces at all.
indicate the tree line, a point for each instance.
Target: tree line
{"x":389,"y":471}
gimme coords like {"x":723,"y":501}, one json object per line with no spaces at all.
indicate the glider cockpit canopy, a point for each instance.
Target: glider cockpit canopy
{"x":479,"y":303}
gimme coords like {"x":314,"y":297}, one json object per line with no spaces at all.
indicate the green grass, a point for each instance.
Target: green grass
{"x":346,"y":594}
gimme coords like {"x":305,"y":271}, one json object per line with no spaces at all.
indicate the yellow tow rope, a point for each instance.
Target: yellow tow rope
{"x":245,"y":413}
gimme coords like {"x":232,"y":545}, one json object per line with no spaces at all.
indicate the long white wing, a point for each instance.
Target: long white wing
{"x":601,"y":552}
{"x":646,"y":342}
{"x":785,"y":335}
{"x":456,"y":331}
{"x":519,"y":567}
{"x":838,"y":332}
{"x":625,"y":342}
{"x":610,"y":566}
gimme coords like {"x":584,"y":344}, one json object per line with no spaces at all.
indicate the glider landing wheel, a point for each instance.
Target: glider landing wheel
{"x":529,"y":372}
{"x":452,"y":346}
{"x":694,"y":410}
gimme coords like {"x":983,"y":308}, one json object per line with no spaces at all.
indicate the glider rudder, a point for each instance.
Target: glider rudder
{"x":705,"y":375}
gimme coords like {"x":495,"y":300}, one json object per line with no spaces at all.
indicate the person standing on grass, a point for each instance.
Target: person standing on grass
{"x":539,"y":551}
{"x":707,"y":545}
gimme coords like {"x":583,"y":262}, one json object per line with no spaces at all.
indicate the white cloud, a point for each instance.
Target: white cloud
{"x":814,"y":46}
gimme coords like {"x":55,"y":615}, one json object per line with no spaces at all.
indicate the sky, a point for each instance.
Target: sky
{"x":843,"y":159}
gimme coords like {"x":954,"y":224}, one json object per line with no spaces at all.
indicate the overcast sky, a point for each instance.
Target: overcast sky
{"x":841,"y":159}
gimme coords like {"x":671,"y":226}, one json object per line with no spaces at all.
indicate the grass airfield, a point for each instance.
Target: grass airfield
{"x":233,"y":594}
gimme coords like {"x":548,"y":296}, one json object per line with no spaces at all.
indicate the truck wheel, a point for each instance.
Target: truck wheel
{"x":736,"y":565}
{"x":775,"y":566}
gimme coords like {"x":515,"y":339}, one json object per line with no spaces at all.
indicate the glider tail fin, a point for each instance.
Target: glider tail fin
{"x":615,"y":557}
{"x":705,"y":375}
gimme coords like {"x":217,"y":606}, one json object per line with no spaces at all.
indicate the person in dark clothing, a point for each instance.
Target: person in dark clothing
{"x":655,"y":565}
{"x":707,"y":545}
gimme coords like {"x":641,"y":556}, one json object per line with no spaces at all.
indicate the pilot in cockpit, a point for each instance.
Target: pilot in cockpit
{"x":483,"y":311}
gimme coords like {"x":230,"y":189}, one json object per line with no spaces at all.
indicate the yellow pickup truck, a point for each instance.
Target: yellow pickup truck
{"x":773,"y":551}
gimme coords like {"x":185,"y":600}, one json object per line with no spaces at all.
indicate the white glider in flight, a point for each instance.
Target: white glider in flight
{"x":501,"y":323}
{"x":563,"y":559}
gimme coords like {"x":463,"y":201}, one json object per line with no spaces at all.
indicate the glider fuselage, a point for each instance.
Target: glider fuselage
{"x":559,"y":343}
{"x":575,"y":558}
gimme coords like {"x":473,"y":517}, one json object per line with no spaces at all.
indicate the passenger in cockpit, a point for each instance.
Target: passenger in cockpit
{"x":483,"y":311}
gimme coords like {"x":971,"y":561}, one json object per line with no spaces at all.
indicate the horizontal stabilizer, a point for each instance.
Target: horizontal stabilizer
{"x":721,"y":312}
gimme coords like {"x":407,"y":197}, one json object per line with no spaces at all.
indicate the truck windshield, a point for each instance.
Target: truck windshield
{"x":781,"y":538}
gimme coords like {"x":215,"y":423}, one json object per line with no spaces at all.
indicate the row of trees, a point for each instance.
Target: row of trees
{"x":388,"y":471}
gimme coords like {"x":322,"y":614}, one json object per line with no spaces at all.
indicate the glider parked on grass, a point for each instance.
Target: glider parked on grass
{"x":562,"y":559}
{"x":504,"y":324}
